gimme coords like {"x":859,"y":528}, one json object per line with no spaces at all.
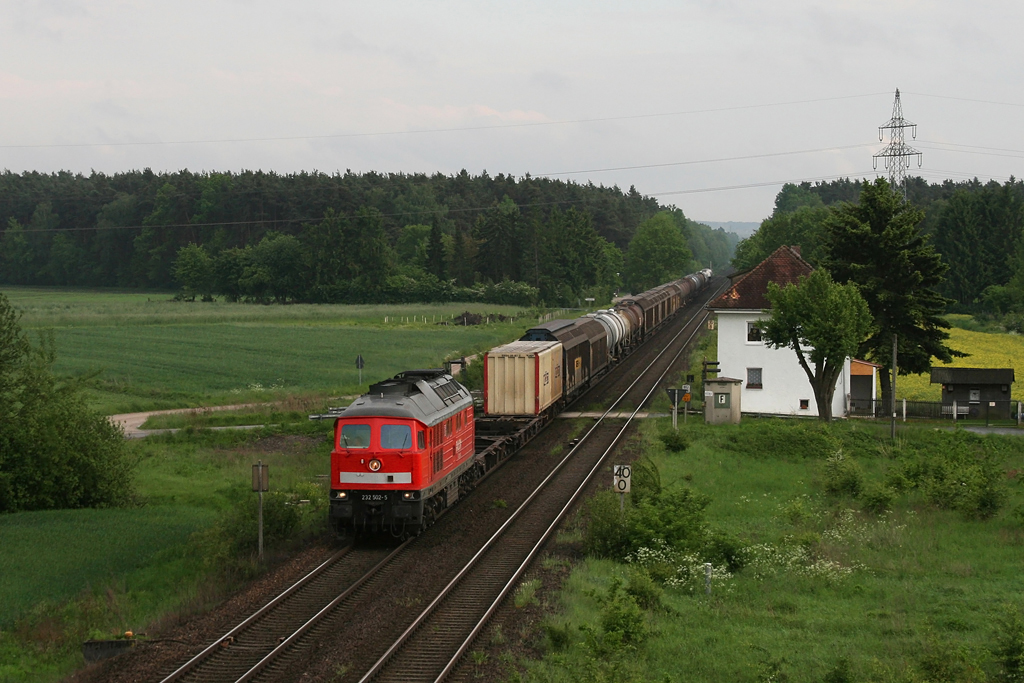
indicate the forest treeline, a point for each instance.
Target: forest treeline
{"x":348,"y":237}
{"x":978,"y":228}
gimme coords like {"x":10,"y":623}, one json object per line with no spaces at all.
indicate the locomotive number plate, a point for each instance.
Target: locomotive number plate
{"x":375,"y":496}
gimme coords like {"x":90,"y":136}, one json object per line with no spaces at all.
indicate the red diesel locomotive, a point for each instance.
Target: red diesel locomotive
{"x":401,"y":452}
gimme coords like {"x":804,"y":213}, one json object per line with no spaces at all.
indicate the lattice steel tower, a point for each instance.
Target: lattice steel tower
{"x":897,"y":153}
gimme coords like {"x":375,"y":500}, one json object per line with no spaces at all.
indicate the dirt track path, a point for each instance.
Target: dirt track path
{"x":131,"y":422}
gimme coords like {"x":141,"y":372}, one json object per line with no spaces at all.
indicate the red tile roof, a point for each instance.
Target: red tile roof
{"x":783,"y":267}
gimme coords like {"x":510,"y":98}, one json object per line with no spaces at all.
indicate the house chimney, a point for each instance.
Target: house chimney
{"x":796,"y":248}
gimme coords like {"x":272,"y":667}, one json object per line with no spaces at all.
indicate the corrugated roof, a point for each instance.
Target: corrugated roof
{"x":425,"y":395}
{"x":972,"y":375}
{"x":783,"y":267}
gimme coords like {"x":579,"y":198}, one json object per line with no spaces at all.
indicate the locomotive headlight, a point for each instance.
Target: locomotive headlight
{"x":407,"y":495}
{"x":374,"y":465}
{"x":342,"y":494}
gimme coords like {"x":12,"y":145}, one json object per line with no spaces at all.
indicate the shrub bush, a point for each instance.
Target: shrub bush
{"x":644,"y":589}
{"x":877,"y":498}
{"x":842,"y":475}
{"x":674,"y":440}
{"x":54,"y":451}
{"x":954,"y":471}
{"x":674,"y":516}
{"x":622,"y":624}
{"x":1009,"y":649}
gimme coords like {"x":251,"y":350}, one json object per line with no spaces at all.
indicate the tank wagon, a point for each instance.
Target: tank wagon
{"x":411,"y":446}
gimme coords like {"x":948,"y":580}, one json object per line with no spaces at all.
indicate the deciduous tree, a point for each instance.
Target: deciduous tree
{"x":824,"y":323}
{"x":657,"y":253}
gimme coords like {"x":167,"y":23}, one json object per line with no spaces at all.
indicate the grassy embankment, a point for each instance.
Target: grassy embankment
{"x":154,"y":353}
{"x":68,"y":575}
{"x":831,"y":586}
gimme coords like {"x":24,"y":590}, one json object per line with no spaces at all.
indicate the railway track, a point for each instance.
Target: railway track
{"x":433,"y":645}
{"x":236,"y":654}
{"x":339,"y":594}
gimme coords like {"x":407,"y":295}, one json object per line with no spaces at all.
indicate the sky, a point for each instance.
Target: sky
{"x":709,"y":106}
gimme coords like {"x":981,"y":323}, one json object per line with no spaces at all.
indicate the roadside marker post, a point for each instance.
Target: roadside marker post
{"x":621,"y":475}
{"x":260,"y":483}
{"x":359,"y":366}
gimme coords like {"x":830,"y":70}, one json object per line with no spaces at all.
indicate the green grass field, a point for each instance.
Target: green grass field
{"x":154,"y":353}
{"x":915,"y":594}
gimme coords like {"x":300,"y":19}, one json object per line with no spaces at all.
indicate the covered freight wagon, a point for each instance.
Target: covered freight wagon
{"x":522,"y":378}
{"x":584,"y":344}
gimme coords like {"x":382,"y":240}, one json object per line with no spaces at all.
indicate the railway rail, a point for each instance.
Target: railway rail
{"x":434,"y":644}
{"x":270,"y":643}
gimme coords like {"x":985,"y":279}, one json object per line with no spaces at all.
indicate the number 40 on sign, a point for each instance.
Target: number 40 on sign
{"x":620,"y":478}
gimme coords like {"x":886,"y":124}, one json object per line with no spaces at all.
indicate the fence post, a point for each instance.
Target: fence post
{"x":1018,"y":413}
{"x":904,"y":410}
{"x":954,"y":410}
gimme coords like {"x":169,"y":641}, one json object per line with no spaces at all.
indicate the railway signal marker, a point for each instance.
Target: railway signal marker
{"x":620,"y":482}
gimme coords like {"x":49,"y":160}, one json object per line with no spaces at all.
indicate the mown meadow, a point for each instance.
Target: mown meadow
{"x":837,"y":556}
{"x":149,"y":352}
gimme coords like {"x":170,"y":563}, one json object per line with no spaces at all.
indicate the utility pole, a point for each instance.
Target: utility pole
{"x":897,"y":153}
{"x":893,"y":434}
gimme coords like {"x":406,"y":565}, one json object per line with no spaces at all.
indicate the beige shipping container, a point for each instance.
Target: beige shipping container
{"x":522,"y":378}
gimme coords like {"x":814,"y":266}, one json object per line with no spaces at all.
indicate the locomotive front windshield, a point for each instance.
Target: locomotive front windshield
{"x":354,"y":436}
{"x":395,"y":437}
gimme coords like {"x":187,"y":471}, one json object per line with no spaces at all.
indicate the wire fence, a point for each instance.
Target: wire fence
{"x":1008,"y":413}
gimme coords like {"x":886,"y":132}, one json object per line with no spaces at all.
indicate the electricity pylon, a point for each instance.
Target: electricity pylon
{"x":897,"y":153}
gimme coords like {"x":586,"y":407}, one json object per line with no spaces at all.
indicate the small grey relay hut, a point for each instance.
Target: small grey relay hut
{"x":977,"y":391}
{"x":722,"y":401}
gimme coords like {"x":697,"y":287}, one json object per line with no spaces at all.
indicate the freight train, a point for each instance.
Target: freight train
{"x":412,"y":445}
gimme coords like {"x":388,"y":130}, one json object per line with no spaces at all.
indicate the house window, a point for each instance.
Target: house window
{"x":753,"y":378}
{"x":975,"y":395}
{"x":753,"y":332}
{"x":805,"y":404}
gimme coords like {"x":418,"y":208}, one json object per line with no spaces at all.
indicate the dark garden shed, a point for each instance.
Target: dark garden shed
{"x":978,"y":392}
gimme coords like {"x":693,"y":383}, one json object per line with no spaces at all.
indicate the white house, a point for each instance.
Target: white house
{"x":773,"y":380}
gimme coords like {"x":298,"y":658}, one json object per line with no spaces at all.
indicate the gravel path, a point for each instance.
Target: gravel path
{"x":131,"y":422}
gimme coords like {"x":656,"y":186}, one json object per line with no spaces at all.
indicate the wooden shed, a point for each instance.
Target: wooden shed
{"x":978,"y":392}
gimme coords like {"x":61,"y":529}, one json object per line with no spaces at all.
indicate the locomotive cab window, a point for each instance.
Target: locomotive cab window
{"x":421,"y":440}
{"x":395,"y":437}
{"x":354,"y":436}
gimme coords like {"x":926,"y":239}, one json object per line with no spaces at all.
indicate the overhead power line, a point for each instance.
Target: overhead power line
{"x":707,"y":161}
{"x":528,"y":124}
{"x":965,"y":99}
{"x":286,"y":221}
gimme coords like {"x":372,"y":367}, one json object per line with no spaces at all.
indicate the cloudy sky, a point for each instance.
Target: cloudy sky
{"x":708,"y":105}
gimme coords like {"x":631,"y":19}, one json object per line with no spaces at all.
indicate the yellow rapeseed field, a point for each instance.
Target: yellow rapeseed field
{"x":988,"y":350}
